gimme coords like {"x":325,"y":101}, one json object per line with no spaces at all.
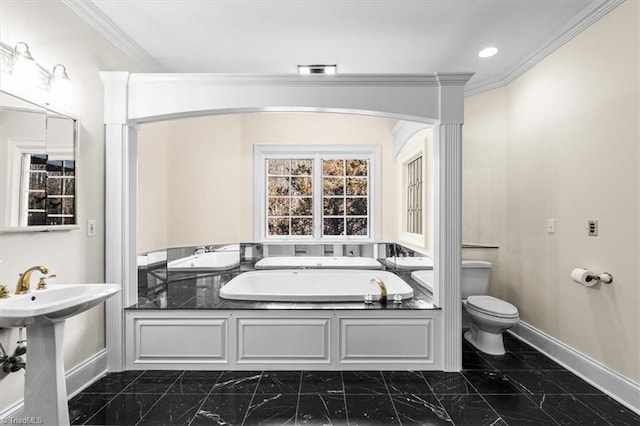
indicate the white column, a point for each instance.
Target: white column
{"x":448,"y":215}
{"x":116,"y":207}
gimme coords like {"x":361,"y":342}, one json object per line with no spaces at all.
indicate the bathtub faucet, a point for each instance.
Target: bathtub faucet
{"x":200,"y":250}
{"x":383,"y":289}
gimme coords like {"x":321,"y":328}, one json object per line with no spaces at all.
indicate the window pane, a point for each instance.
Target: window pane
{"x":278,"y":226}
{"x":69,"y":186}
{"x":278,"y":167}
{"x":301,"y":226}
{"x":54,"y":168}
{"x":301,"y":167}
{"x":301,"y":186}
{"x":357,"y":168}
{"x":414,"y":196}
{"x":54,"y":186}
{"x":37,"y":181}
{"x":38,"y":162}
{"x":278,"y":186}
{"x":37,"y":219}
{"x":357,"y":186}
{"x":278,"y":206}
{"x":333,"y":186}
{"x":37,"y":200}
{"x":301,"y":207}
{"x":333,"y":206}
{"x":69,"y":168}
{"x":357,"y":226}
{"x":67,"y":206}
{"x":333,"y":226}
{"x":54,"y":206}
{"x":333,"y":167}
{"x":356,"y":206}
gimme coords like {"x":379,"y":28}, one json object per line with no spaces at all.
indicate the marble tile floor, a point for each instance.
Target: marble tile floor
{"x":523,"y":387}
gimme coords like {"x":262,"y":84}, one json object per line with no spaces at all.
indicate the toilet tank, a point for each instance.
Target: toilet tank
{"x":475,"y":278}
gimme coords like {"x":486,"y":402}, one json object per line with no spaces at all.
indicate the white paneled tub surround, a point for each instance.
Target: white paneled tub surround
{"x":319,"y":262}
{"x":409,"y":263}
{"x":308,"y":285}
{"x":209,"y":261}
{"x":283,"y":339}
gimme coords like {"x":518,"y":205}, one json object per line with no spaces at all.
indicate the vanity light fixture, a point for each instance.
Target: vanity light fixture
{"x":25,"y":68}
{"x":488,"y":52}
{"x":59,"y":84}
{"x":317,"y":69}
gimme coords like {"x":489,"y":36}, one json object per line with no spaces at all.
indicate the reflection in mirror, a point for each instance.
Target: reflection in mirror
{"x":38,"y":166}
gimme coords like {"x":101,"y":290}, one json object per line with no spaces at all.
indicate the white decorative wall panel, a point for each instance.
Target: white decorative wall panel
{"x":386,"y":340}
{"x":283,"y":340}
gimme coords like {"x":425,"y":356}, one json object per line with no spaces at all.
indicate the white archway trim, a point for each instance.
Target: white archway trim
{"x":130,"y":99}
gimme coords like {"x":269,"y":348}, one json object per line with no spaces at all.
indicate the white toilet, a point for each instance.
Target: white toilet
{"x":488,"y":316}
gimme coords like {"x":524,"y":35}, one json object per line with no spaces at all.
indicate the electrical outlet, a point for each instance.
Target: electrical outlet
{"x":593,"y":228}
{"x":551,"y":226}
{"x":91,"y":228}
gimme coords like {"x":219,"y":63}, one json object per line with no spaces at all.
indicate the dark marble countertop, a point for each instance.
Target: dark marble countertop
{"x":160,"y":289}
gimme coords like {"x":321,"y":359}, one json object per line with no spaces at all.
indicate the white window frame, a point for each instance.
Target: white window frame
{"x":318,"y":152}
{"x":412,"y":153}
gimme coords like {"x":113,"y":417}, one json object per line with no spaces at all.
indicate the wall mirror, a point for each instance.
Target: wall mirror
{"x":38,"y":167}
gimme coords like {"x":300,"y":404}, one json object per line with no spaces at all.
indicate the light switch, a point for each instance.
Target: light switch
{"x":91,"y":228}
{"x":551,"y":226}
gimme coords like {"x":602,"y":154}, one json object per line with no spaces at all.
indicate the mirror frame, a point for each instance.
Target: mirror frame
{"x":76,"y":154}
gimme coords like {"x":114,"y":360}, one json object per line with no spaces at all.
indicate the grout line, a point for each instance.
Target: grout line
{"x":161,"y":396}
{"x":295,"y":419}
{"x":113,"y":396}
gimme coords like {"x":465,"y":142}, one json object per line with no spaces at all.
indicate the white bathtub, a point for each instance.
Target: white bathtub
{"x":424,"y":278}
{"x":319,"y":262}
{"x":210,"y":261}
{"x":313,"y":285}
{"x":409,"y":263}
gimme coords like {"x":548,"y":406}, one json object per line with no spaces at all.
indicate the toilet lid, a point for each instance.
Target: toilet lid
{"x":491,"y":306}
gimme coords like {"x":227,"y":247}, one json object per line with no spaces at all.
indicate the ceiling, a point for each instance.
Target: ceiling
{"x":360,"y":36}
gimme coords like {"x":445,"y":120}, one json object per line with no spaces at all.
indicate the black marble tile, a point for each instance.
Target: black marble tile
{"x":268,"y":409}
{"x":474,"y":361}
{"x":222,"y":409}
{"x":508,"y":361}
{"x":519,"y":410}
{"x":450,"y":383}
{"x":279,"y":382}
{"x":363,"y":382}
{"x":571,"y":383}
{"x":406,"y":382}
{"x":539,"y":361}
{"x":533,"y":382}
{"x":153,"y":382}
{"x":173,"y":409}
{"x":329,"y":382}
{"x":321,"y":409}
{"x":370,"y":410}
{"x":242,"y":382}
{"x":113,"y":383}
{"x":491,"y":382}
{"x":610,"y":410}
{"x":124,"y":409}
{"x":468,"y":347}
{"x":420,"y":410}
{"x":84,"y":405}
{"x":469,"y":410}
{"x":567,"y":410}
{"x":199,"y":382}
{"x":513,"y":344}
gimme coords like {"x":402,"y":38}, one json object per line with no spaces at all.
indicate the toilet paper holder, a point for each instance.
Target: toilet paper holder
{"x":604,"y":277}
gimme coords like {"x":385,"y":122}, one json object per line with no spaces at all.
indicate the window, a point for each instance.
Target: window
{"x":306,"y":193}
{"x":414,"y":196}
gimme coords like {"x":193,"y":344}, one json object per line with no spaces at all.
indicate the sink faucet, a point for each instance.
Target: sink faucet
{"x":383,"y":289}
{"x":23,"y":282}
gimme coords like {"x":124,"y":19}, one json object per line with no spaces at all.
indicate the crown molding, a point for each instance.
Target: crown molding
{"x":103,"y":24}
{"x":588,"y":16}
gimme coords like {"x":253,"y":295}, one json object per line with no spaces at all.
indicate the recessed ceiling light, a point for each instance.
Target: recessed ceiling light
{"x":488,"y":52}
{"x":317,"y":69}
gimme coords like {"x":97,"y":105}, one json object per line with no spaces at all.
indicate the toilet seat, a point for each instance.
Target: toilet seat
{"x":489,"y":305}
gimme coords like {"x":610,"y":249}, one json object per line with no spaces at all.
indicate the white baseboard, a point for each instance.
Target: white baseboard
{"x":619,"y":387}
{"x":77,"y":378}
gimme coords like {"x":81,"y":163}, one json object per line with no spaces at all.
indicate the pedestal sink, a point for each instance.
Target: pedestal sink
{"x":44,"y":313}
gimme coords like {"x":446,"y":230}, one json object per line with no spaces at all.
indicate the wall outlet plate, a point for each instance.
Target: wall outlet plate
{"x":593,"y":228}
{"x":91,"y":228}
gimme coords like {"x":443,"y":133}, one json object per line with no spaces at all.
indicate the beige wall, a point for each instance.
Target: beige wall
{"x":562,"y":141}
{"x":57,"y":35}
{"x":209,"y":188}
